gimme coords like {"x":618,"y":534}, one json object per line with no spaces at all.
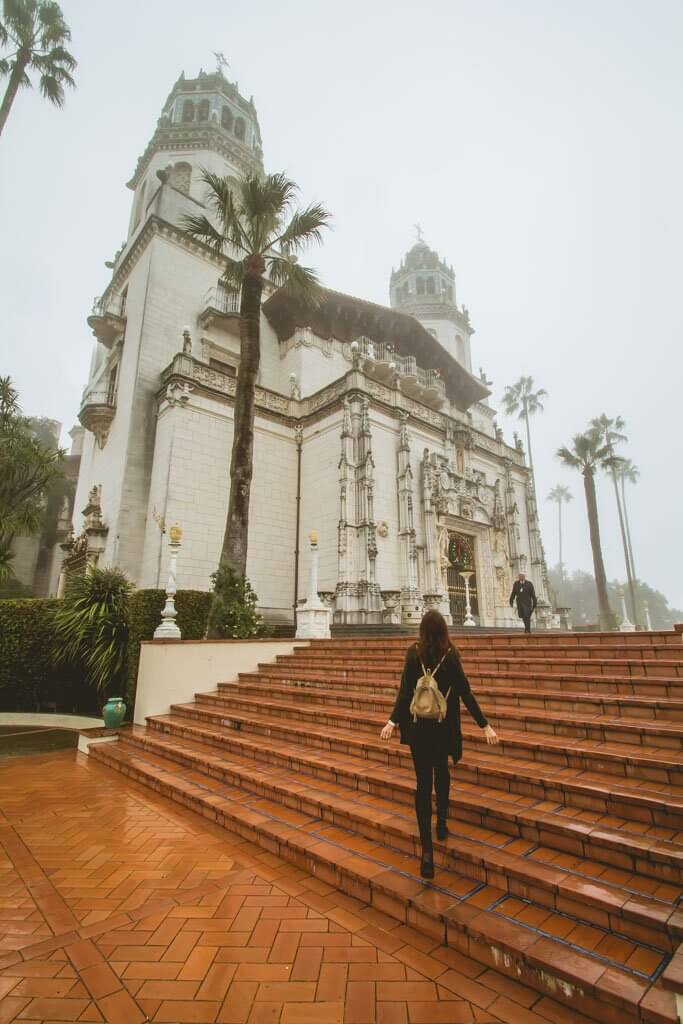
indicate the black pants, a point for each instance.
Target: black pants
{"x":526,"y":619}
{"x":431,"y":773}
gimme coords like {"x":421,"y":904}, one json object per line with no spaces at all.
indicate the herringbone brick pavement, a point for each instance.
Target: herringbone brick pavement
{"x":117,"y":906}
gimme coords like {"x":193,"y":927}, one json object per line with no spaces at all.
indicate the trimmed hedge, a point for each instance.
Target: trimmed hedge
{"x":28,"y":677}
{"x":144,"y":615}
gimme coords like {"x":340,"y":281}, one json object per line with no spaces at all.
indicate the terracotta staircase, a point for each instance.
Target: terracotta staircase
{"x":564,"y":864}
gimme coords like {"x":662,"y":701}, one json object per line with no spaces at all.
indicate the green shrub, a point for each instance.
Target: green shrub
{"x":91,"y":627}
{"x":233,"y":614}
{"x":144,"y":615}
{"x":29,"y":677}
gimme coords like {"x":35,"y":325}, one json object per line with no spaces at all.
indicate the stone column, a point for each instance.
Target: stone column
{"x":411,"y":603}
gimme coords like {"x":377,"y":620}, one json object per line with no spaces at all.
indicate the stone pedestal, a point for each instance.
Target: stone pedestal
{"x":168,"y":628}
{"x":313,"y":617}
{"x":626,"y":625}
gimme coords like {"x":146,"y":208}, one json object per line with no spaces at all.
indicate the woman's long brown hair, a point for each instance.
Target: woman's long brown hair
{"x":434,"y":641}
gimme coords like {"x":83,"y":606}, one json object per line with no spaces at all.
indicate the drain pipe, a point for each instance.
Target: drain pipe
{"x":299,"y":434}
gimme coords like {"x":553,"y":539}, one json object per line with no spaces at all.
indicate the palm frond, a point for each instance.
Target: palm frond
{"x":304,"y":227}
{"x":233,"y":274}
{"x":200,"y":227}
{"x":301,"y":284}
{"x":51,"y":88}
{"x":569,"y":457}
{"x":221,"y":200}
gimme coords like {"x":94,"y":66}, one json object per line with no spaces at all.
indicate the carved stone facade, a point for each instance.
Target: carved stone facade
{"x":370,"y":427}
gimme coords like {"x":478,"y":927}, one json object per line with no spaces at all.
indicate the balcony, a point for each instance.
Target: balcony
{"x":220,"y":308}
{"x":381,"y":361}
{"x":108,"y":319}
{"x":97,"y":411}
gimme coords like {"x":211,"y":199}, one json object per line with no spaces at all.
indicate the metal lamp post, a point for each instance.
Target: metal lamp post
{"x":168,"y":628}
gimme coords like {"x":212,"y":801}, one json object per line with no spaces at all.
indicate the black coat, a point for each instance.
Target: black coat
{"x":447,"y":734}
{"x":525,"y":595}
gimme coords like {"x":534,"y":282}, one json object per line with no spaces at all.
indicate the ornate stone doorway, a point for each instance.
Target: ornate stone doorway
{"x":461,"y":559}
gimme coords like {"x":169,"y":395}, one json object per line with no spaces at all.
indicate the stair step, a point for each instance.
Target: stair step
{"x":388,"y":684}
{"x":649,"y":735}
{"x":652,"y":708}
{"x":656,"y":853}
{"x":595,"y":970}
{"x":481,"y":858}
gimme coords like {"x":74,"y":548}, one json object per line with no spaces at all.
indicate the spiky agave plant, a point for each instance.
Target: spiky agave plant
{"x":92,"y":627}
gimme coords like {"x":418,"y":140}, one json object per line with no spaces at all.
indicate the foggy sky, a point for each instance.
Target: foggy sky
{"x":537,"y":143}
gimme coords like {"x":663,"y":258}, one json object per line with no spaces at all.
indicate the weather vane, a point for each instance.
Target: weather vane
{"x":418,"y":231}
{"x":221,"y":62}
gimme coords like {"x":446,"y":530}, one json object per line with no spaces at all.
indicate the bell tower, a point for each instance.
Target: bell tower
{"x":204,"y":123}
{"x":424,"y":287}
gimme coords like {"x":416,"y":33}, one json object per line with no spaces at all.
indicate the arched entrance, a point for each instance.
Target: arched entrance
{"x":461,"y":559}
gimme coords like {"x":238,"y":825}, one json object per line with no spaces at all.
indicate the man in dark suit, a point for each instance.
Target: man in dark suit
{"x":523,"y":592}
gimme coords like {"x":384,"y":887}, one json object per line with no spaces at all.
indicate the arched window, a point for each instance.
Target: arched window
{"x":430,"y":286}
{"x":226,"y":118}
{"x":420,"y":285}
{"x":203,"y":110}
{"x":188,"y":110}
{"x":240,"y":128}
{"x":180,"y":177}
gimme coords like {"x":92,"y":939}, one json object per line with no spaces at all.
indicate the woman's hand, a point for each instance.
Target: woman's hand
{"x":387,"y":732}
{"x":490,"y":734}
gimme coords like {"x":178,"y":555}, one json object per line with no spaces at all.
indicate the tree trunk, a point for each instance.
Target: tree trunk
{"x":11,"y":92}
{"x":605,"y":612}
{"x":627,"y":559}
{"x":235,"y":539}
{"x":528,"y":447}
{"x":559,"y":517}
{"x":628,"y":529}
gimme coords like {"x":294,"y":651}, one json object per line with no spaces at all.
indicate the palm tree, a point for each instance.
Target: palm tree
{"x":586,"y":454}
{"x":255,"y":232}
{"x":562,"y":495}
{"x":628,"y":472}
{"x":36,"y":33}
{"x":522,"y":399}
{"x":611,"y":434}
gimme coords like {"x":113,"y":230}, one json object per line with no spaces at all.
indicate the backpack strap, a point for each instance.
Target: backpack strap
{"x":431,"y":672}
{"x":439,"y":665}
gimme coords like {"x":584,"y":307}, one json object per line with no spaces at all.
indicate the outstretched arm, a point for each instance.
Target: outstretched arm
{"x":472,"y":705}
{"x":404,"y":697}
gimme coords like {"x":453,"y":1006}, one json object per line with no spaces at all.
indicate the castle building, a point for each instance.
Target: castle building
{"x":370,"y":426}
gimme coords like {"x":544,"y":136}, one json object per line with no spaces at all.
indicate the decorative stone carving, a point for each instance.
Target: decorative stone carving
{"x":178,"y":393}
{"x":392,"y":613}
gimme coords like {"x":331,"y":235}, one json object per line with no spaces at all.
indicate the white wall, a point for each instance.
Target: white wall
{"x":172,"y":671}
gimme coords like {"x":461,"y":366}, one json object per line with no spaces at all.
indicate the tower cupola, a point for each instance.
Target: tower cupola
{"x":424,"y":287}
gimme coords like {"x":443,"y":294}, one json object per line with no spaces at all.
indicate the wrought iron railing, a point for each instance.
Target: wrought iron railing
{"x":99,"y":396}
{"x":222,"y":300}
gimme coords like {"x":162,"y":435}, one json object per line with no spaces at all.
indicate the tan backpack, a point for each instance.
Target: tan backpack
{"x":428,"y":700}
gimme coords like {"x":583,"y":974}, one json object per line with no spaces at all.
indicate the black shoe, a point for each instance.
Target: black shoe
{"x":427,"y":864}
{"x":441,"y":828}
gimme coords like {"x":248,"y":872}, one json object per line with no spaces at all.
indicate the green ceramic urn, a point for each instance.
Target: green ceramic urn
{"x":113,"y":712}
